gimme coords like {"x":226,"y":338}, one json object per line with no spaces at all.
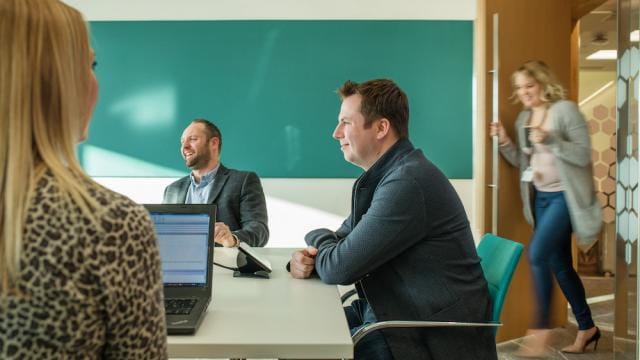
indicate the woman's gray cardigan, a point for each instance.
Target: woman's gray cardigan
{"x":569,"y":141}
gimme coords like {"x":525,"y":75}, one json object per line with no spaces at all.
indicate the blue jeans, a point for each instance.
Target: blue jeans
{"x":550,"y":253}
{"x":372,"y":346}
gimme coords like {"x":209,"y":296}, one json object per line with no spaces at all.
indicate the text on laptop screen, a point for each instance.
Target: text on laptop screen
{"x":183,"y":240}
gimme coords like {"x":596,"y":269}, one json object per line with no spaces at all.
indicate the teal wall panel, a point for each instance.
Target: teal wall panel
{"x":270,"y":87}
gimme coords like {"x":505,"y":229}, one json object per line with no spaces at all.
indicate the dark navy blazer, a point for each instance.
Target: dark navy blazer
{"x":408,"y":247}
{"x":240,"y":203}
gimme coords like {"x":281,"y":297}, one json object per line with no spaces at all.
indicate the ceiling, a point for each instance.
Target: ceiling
{"x":598,"y":31}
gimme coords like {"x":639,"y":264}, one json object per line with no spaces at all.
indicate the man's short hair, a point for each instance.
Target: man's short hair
{"x":211,"y":129}
{"x":381,"y":98}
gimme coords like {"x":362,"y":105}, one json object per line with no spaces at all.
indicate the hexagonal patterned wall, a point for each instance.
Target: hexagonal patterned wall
{"x":601,"y":120}
{"x":599,"y":109}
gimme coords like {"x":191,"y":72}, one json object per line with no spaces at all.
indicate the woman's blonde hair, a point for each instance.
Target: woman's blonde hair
{"x":552,"y":90}
{"x":44,"y":87}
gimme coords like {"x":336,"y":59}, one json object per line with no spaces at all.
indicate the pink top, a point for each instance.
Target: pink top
{"x":545,"y":171}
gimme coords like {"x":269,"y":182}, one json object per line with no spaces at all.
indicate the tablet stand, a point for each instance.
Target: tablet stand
{"x":248,"y":268}
{"x":261,"y":274}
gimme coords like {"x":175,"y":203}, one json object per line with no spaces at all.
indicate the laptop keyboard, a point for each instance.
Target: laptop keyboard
{"x":179,"y":306}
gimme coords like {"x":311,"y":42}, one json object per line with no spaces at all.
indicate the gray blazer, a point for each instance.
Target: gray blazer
{"x":570,"y":143}
{"x":408,"y":247}
{"x":240,"y":203}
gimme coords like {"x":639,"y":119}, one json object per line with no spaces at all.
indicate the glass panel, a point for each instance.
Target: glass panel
{"x":627,"y":225}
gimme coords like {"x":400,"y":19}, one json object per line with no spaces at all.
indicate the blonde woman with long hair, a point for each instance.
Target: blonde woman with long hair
{"x":553,"y":153}
{"x":79,"y":264}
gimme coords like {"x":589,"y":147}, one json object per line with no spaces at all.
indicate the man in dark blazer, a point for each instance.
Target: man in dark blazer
{"x":407,"y":245}
{"x":241,"y":214}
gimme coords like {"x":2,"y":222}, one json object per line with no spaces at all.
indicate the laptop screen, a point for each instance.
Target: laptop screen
{"x":183,"y":240}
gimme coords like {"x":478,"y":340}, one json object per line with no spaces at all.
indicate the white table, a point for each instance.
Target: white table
{"x":280,"y":317}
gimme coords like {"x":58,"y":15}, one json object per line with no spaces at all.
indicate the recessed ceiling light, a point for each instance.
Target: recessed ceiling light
{"x":603,"y":55}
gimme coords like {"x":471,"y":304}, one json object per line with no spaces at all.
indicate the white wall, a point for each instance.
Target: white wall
{"x":592,"y":81}
{"x":295,"y":206}
{"x":274,"y":9}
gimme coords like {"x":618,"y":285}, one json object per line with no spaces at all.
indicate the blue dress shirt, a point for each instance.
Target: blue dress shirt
{"x":198,"y":193}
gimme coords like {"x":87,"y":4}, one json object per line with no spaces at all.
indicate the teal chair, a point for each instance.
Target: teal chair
{"x":499,"y":258}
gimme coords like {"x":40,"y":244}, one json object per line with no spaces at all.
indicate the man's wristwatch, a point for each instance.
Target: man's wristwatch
{"x":237,"y":243}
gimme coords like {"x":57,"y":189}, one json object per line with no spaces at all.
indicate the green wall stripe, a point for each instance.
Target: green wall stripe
{"x":270,"y":87}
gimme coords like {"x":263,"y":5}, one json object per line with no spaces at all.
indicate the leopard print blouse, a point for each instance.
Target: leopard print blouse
{"x":87,"y":292}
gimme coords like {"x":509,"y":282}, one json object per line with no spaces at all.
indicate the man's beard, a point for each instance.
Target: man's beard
{"x":198,"y":162}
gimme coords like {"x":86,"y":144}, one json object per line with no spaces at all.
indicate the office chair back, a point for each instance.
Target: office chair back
{"x":499,"y":258}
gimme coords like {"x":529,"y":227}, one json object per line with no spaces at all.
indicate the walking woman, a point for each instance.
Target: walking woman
{"x":79,"y":264}
{"x":553,"y":153}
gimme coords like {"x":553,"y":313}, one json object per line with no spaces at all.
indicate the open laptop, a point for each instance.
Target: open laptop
{"x":185,"y":235}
